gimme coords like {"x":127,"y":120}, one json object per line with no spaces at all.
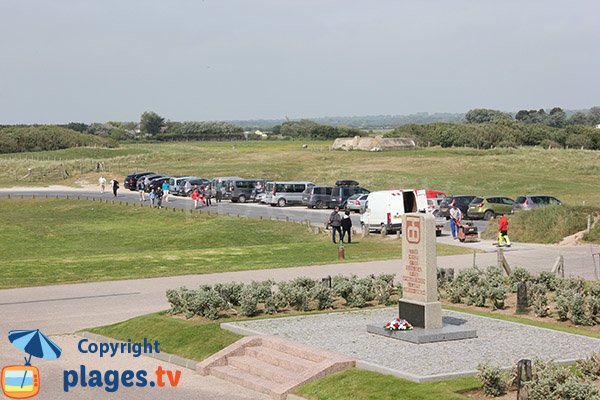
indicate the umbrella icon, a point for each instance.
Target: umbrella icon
{"x":34,"y":343}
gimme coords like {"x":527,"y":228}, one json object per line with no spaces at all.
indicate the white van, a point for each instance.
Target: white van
{"x":384,"y":209}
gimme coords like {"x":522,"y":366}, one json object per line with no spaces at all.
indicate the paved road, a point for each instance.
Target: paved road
{"x":251,"y":210}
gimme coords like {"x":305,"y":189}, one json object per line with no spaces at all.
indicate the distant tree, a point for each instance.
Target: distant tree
{"x":594,"y":116}
{"x":578,"y":118}
{"x":77,"y":126}
{"x":151,"y":122}
{"x":558,"y":118}
{"x":483,"y":115}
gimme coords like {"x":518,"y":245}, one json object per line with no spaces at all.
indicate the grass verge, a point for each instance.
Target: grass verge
{"x":48,"y":241}
{"x":545,"y":225}
{"x":366,"y":385}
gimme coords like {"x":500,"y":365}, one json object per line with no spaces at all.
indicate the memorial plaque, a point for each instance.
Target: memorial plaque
{"x":419,"y":304}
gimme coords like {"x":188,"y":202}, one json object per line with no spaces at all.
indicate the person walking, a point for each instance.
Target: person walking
{"x":195,"y":196}
{"x":141,"y":187}
{"x":335,"y":221}
{"x":152,"y":197}
{"x":346,"y":227}
{"x":115,"y":186}
{"x":455,"y":218}
{"x":159,"y":197}
{"x":503,"y":231}
{"x":206,"y":193}
{"x":218,"y":194}
{"x":165,"y":189}
{"x":102,"y":183}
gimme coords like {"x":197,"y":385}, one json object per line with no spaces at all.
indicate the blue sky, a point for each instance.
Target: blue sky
{"x":83,"y":60}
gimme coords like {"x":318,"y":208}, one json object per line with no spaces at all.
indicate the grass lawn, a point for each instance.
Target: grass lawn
{"x":366,"y":385}
{"x":198,"y":340}
{"x":49,"y":241}
{"x":570,"y":175}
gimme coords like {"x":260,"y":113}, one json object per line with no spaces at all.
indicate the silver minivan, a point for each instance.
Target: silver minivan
{"x":283,"y":193}
{"x":177,"y":183}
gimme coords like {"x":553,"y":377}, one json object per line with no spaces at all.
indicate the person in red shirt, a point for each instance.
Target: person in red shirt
{"x":503,"y":231}
{"x":195,"y":196}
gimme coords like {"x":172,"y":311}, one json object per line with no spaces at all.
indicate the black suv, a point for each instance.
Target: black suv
{"x":340,"y":195}
{"x":317,"y":196}
{"x":462,"y":203}
{"x":156,"y":183}
{"x":130,"y":181}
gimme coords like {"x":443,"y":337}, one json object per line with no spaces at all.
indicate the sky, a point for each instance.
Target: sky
{"x":107,"y":60}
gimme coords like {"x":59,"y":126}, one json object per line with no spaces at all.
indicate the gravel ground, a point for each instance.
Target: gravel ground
{"x":501,"y":343}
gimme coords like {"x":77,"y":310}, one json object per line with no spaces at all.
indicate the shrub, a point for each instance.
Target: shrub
{"x":262,"y":290}
{"x":590,"y":367}
{"x":296,"y":295}
{"x":230,"y":292}
{"x":539,"y":299}
{"x":248,"y":302}
{"x":548,"y":279}
{"x":563,"y":304}
{"x":342,"y":286}
{"x":493,"y":379}
{"x":575,"y":389}
{"x":271,"y":305}
{"x":547,"y":376}
{"x":580,"y":311}
{"x":324,"y":297}
{"x":174,"y":296}
{"x":383,"y":289}
{"x":518,"y":275}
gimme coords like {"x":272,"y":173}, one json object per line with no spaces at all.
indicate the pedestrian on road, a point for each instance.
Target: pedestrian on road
{"x":115,"y":187}
{"x":503,"y":231}
{"x":218,"y":194}
{"x":335,"y":221}
{"x":455,"y":218}
{"x":152,"y":197}
{"x":159,"y":197}
{"x":141,"y":187}
{"x":206,"y":193}
{"x":195,"y":196}
{"x":102,"y":183}
{"x":165,"y":189}
{"x":346,"y":227}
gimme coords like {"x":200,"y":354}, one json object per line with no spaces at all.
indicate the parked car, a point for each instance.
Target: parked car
{"x":340,"y":194}
{"x":188,"y":185}
{"x":156,"y":183}
{"x":241,"y":190}
{"x":177,"y":184}
{"x":283,"y":193}
{"x":221,"y":182}
{"x":530,"y":201}
{"x":462,"y":202}
{"x":130,"y":181}
{"x":357,"y":202}
{"x":488,"y":207}
{"x":317,"y":196}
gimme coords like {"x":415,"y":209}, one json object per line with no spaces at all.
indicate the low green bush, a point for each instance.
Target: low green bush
{"x":493,"y":379}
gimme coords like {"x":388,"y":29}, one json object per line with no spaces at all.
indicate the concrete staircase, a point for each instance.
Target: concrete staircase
{"x":272,"y":365}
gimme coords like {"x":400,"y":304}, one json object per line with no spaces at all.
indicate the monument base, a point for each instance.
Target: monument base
{"x":446,"y":333}
{"x":421,"y":315}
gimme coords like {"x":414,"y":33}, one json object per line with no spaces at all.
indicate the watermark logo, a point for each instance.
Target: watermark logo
{"x":23,"y":381}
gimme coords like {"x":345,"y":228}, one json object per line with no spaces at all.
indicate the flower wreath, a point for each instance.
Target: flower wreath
{"x":398,"y":324}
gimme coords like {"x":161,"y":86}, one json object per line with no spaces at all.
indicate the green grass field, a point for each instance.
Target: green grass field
{"x":571,"y":175}
{"x":47,"y":241}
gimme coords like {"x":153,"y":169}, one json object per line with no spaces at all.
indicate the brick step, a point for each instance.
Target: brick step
{"x":249,"y":381}
{"x":260,"y":368}
{"x":294,"y":350}
{"x":283,"y":360}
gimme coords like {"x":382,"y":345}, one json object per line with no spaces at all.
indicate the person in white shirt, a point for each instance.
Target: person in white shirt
{"x":455,"y":217}
{"x":102,"y":183}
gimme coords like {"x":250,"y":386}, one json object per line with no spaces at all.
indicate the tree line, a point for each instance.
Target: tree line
{"x":16,"y":139}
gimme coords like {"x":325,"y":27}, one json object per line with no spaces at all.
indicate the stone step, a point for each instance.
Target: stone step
{"x":283,"y":360}
{"x":295,"y":350}
{"x":260,"y":368}
{"x":250,"y":381}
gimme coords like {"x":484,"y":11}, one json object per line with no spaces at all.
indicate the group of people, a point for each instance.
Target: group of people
{"x":156,"y":194}
{"x":201,"y":196}
{"x":114,"y":184}
{"x":455,"y":221}
{"x":342,"y":224}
